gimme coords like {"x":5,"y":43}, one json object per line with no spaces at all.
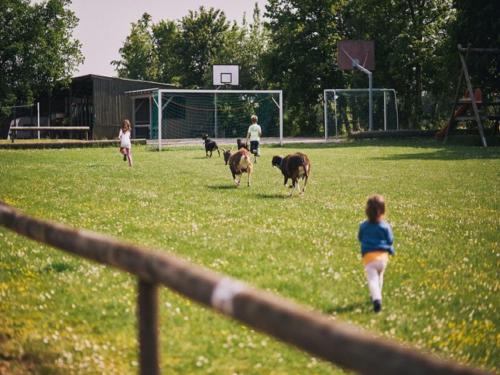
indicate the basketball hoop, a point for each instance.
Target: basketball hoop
{"x":226,"y":75}
{"x":356,"y":52}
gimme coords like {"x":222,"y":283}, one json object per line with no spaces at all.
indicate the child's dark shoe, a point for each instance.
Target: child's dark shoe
{"x":124,"y":157}
{"x":377,"y":305}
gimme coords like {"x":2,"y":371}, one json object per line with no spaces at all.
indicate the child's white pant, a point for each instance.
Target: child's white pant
{"x":375,"y":276}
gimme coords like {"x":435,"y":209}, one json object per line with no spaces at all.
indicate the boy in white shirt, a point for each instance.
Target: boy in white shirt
{"x":253,"y":135}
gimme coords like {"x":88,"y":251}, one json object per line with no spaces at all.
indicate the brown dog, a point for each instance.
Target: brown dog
{"x":294,"y":166}
{"x":239,"y":163}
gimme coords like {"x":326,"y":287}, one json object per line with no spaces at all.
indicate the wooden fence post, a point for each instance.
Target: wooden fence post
{"x":147,"y":309}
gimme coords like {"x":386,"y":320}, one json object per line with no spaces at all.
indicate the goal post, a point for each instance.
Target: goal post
{"x":183,"y":113}
{"x":346,"y":110}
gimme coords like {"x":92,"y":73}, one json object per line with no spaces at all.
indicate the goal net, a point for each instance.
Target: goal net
{"x":218,"y":113}
{"x":347,"y":110}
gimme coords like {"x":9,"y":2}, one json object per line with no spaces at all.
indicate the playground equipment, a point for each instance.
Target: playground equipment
{"x":464,"y":104}
{"x":471,"y":107}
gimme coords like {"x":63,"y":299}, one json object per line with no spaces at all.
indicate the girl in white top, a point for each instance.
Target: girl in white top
{"x":125,"y":144}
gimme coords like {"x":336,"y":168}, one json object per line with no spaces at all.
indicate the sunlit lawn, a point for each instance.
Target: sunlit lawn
{"x":60,"y":314}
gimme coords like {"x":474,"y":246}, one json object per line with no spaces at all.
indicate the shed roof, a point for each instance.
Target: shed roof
{"x":97,"y":76}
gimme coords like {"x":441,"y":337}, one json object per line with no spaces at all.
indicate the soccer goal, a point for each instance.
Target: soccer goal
{"x":347,"y":110}
{"x":188,"y":114}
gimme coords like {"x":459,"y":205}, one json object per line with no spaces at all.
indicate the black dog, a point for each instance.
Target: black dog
{"x":210,"y":146}
{"x":242,"y":144}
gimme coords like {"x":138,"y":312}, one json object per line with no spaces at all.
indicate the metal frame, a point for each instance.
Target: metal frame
{"x":25,"y":106}
{"x":151,"y":92}
{"x":335,"y":91}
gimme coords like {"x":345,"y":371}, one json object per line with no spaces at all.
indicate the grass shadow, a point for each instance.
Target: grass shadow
{"x":58,"y":267}
{"x":465,"y":141}
{"x":26,"y":357}
{"x":347,"y":308}
{"x":222,"y":187}
{"x":447,"y":153}
{"x":346,"y":142}
{"x":271,"y":196}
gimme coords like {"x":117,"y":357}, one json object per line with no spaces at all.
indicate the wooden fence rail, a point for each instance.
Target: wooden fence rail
{"x":334,"y":341}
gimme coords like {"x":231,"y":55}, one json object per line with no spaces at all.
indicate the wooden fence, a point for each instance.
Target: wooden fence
{"x":337,"y":342}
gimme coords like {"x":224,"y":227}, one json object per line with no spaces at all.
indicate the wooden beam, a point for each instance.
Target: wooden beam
{"x":457,"y":94}
{"x":147,"y":314}
{"x":473,"y":100}
{"x":485,"y":50}
{"x":36,"y":128}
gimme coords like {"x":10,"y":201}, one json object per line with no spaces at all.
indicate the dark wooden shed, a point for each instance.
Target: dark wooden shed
{"x":95,"y":101}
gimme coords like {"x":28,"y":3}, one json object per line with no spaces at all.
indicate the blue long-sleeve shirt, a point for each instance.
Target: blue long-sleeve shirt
{"x":375,"y":236}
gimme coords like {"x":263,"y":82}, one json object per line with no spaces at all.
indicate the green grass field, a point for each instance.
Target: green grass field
{"x":61,"y":314}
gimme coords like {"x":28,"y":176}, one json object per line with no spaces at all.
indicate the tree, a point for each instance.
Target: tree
{"x":37,"y":49}
{"x":245,"y":46}
{"x":166,"y":39}
{"x":201,"y":40}
{"x":300,"y":59}
{"x":477,"y":23}
{"x":138,"y":57}
{"x":410,"y":38}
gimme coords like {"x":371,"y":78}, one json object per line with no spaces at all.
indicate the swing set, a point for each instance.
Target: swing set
{"x":471,"y":107}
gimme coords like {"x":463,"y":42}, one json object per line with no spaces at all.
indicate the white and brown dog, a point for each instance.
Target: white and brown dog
{"x":239,"y":162}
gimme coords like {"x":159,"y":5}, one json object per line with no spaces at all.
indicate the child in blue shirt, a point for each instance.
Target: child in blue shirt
{"x":376,"y":240}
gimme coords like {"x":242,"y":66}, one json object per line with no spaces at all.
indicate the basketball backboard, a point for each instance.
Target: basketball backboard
{"x":226,"y":75}
{"x":361,"y":51}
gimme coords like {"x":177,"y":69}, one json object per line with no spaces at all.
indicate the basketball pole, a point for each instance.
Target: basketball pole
{"x":370,"y":93}
{"x":355,"y":64}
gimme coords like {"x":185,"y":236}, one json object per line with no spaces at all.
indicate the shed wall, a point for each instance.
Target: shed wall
{"x":111,"y":105}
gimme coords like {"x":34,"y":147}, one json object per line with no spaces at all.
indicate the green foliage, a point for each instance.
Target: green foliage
{"x":295,"y":50}
{"x":165,"y":40}
{"x":74,"y":316}
{"x":301,"y":55}
{"x":201,"y":38}
{"x":477,"y":23}
{"x":409,"y":47}
{"x":37,"y":50}
{"x":139,"y":60}
{"x":183,"y":52}
{"x":245,"y":46}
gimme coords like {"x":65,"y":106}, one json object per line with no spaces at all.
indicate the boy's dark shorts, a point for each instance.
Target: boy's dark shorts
{"x":254,"y":147}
